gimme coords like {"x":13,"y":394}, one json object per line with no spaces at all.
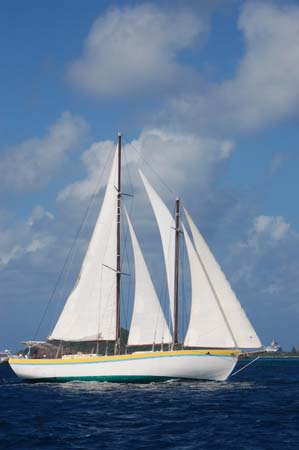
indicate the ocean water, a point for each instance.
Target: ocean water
{"x":258,"y":409}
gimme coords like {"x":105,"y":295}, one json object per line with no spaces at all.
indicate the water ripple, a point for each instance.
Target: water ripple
{"x":256,"y":410}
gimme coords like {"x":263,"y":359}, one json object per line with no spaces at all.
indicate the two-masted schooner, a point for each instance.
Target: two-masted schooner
{"x":218,"y":328}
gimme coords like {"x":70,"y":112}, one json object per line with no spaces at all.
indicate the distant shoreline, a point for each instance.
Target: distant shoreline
{"x":271,"y":355}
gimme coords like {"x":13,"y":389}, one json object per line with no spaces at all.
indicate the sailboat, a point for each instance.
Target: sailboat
{"x":218,"y":330}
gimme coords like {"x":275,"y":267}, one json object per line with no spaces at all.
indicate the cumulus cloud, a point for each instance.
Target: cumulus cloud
{"x":179,"y":156}
{"x":38,"y":215}
{"x":268,"y":255}
{"x":25,"y":237}
{"x":179,"y":159}
{"x":133,"y":50}
{"x":96,"y":162}
{"x":274,"y":227}
{"x":31,"y":164}
{"x":265,"y":87}
{"x":264,"y":268}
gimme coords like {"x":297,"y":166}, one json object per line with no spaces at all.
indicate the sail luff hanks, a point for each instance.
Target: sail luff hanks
{"x":239,"y":324}
{"x":90,"y":310}
{"x":166,"y":226}
{"x":148,"y":324}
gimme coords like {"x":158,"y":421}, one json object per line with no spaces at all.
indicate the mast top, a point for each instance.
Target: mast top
{"x":119,"y":134}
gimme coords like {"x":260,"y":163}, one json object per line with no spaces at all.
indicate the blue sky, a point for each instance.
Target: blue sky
{"x":208,"y":92}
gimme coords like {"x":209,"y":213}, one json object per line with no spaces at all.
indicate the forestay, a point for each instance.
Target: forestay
{"x":148,"y":324}
{"x":90,"y":311}
{"x":240,"y":326}
{"x":166,"y":226}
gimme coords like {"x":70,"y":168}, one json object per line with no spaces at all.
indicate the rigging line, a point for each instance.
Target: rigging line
{"x":126,"y":238}
{"x":164,"y":297}
{"x":128,"y":172}
{"x":244,"y":367}
{"x":151,"y":167}
{"x":125,"y":233}
{"x":130,"y":271}
{"x":65,"y":280}
{"x":83,"y":221}
{"x":127,"y":309}
{"x":171,"y":300}
{"x":63,"y":287}
{"x":125,"y":258}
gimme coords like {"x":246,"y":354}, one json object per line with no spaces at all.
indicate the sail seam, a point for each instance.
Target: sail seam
{"x":217,"y":300}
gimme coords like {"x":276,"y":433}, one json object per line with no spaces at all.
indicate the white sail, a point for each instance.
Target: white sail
{"x":207,"y":326}
{"x":240,"y":326}
{"x":166,"y":226}
{"x":148,"y":324}
{"x":90,"y":311}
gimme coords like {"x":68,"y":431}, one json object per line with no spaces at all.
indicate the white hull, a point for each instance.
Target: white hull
{"x":138,"y":367}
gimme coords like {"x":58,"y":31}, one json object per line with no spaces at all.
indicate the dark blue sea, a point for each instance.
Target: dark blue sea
{"x":258,"y":409}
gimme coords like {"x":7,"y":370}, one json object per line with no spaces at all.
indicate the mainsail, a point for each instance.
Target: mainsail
{"x":166,"y":226}
{"x":148,"y":324}
{"x":90,"y":310}
{"x":235,"y":317}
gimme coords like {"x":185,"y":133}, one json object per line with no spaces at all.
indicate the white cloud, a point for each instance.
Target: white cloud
{"x":39,"y":214}
{"x":265,"y":87}
{"x":180,"y":160}
{"x":25,"y":237}
{"x":134,"y":50}
{"x":274,"y":227}
{"x":96,"y":162}
{"x":31,"y":164}
{"x":264,"y":268}
{"x":267,"y":254}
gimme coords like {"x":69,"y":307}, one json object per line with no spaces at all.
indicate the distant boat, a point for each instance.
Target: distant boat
{"x":218,"y":329}
{"x":3,"y":357}
{"x":273,"y":347}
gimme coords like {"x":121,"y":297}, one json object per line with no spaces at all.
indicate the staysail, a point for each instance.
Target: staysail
{"x":166,"y":226}
{"x":207,"y":326}
{"x":90,"y":310}
{"x":239,"y":325}
{"x":148,"y":324}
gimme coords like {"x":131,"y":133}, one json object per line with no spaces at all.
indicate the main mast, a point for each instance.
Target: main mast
{"x":176,"y":274}
{"x":118,"y":268}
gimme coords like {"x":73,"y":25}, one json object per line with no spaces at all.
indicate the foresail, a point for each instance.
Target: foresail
{"x":166,"y":226}
{"x":240,"y":326}
{"x":148,"y":324}
{"x":90,"y":310}
{"x":207,"y":327}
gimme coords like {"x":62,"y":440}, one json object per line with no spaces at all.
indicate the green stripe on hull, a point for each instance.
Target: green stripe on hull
{"x":143,"y":379}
